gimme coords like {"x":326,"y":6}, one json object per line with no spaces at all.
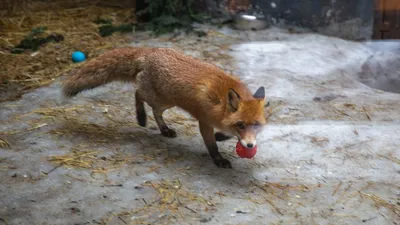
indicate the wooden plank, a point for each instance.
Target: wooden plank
{"x":387,"y":19}
{"x":397,"y":21}
{"x":378,"y":19}
{"x":390,"y":17}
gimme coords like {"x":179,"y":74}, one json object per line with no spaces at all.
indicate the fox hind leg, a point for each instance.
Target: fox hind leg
{"x":141,"y":114}
{"x":158,"y":116}
{"x":145,"y":93}
{"x":219,"y":136}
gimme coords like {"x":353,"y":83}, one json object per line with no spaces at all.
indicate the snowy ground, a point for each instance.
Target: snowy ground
{"x":330,"y":154}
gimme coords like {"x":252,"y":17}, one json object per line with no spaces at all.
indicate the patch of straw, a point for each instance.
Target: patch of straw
{"x":25,"y":130}
{"x":28,"y":71}
{"x":72,"y":121}
{"x":75,"y":159}
{"x":383,"y":203}
{"x":88,"y":159}
{"x":171,"y":201}
{"x":391,"y":158}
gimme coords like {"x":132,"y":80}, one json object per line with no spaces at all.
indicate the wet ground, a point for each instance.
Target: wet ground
{"x":329,"y":155}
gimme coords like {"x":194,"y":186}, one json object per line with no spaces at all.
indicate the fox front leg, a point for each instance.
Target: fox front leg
{"x":207,"y":132}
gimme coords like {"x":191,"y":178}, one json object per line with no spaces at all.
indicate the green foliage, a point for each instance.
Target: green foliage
{"x":109,"y":29}
{"x":103,"y":21}
{"x":106,"y":27}
{"x":33,"y":42}
{"x":168,"y":15}
{"x":37,"y":31}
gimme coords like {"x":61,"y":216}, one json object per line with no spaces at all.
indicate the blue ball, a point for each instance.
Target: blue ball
{"x":78,"y":56}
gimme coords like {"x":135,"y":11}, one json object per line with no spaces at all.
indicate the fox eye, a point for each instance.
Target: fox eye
{"x":257,"y":124}
{"x":240,"y":125}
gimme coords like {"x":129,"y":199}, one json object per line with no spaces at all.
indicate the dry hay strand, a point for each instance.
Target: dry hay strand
{"x":337,"y":188}
{"x":170,"y":191}
{"x":390,"y":158}
{"x":115,"y":162}
{"x":4,"y":143}
{"x":379,"y":202}
{"x":271,"y":110}
{"x":283,"y":192}
{"x":366,"y":113}
{"x":345,"y":194}
{"x":28,"y":71}
{"x":267,"y":199}
{"x":171,"y":200}
{"x":352,"y":111}
{"x":37,"y":126}
{"x":284,"y":189}
{"x":319,"y":141}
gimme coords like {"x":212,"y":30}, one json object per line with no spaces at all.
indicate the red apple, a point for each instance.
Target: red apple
{"x":244,"y":152}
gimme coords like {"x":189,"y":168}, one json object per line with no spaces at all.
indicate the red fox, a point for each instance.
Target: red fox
{"x":165,"y":78}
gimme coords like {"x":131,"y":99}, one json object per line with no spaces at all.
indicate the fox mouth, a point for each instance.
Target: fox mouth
{"x":246,"y":145}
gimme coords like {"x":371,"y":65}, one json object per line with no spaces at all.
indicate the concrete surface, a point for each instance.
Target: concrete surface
{"x":329,"y":155}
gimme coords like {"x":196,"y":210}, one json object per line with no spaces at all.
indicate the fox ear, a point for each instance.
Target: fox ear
{"x":260,"y":93}
{"x":233,"y":100}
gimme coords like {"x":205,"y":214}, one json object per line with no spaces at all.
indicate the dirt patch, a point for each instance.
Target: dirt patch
{"x":381,"y":72}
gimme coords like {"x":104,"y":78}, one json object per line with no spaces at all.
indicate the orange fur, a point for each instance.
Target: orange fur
{"x":166,"y":78}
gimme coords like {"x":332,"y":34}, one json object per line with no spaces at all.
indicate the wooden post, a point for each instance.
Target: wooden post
{"x":141,"y":5}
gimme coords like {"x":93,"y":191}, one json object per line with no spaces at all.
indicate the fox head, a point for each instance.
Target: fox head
{"x":246,"y":117}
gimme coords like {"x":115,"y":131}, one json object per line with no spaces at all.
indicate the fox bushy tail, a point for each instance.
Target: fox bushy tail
{"x":116,"y":65}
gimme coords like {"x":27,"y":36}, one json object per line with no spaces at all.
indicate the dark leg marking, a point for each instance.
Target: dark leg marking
{"x":221,"y":137}
{"x":208,"y":135}
{"x":141,"y":115}
{"x":164,"y":129}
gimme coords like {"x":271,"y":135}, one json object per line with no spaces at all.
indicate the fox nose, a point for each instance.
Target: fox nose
{"x":250,"y":145}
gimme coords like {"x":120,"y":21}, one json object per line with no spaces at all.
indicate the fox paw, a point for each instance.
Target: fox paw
{"x":141,"y":118}
{"x":223,"y":163}
{"x":168,"y":132}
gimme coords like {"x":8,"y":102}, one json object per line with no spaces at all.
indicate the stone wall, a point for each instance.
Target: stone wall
{"x":349,"y":19}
